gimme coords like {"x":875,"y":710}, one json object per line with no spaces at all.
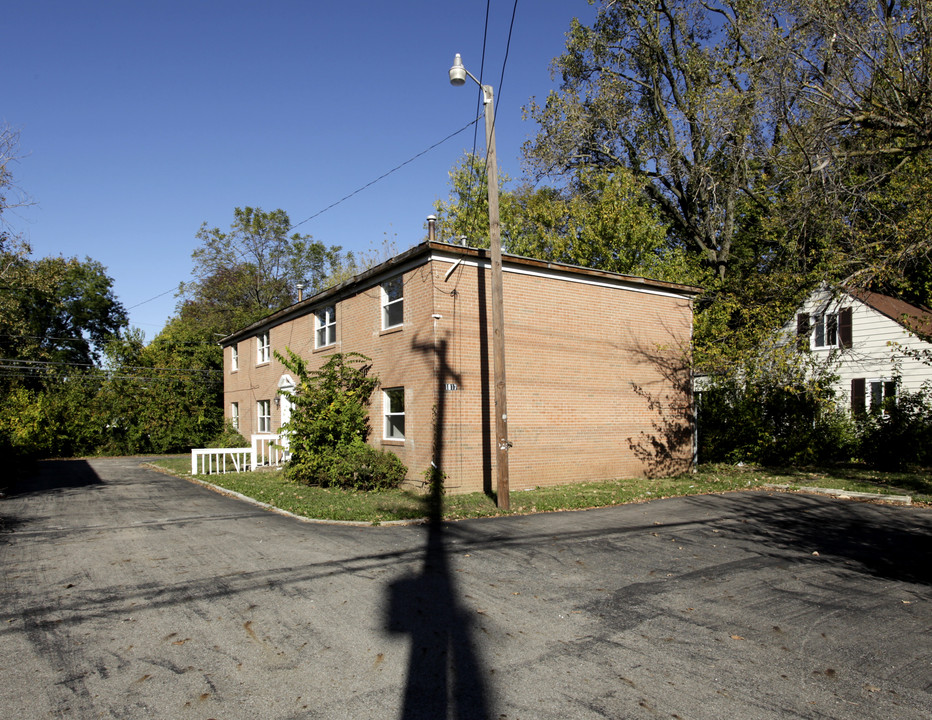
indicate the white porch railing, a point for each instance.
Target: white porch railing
{"x":207,"y":461}
{"x":266,"y":451}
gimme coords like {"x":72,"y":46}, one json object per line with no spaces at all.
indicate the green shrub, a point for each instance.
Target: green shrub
{"x":229,"y":438}
{"x":329,"y":425}
{"x":901,"y":436}
{"x":780,"y":411}
{"x":355,"y":466}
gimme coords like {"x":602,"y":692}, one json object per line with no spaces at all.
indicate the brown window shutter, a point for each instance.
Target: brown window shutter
{"x":857,"y":396}
{"x":802,"y":331}
{"x":844,"y":327}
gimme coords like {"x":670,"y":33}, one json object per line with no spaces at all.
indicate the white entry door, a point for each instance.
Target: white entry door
{"x":286,"y":386}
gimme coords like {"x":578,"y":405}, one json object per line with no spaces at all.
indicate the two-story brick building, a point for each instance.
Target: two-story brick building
{"x":597,"y":366}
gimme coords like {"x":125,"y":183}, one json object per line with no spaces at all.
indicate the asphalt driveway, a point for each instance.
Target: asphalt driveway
{"x":127,"y":593}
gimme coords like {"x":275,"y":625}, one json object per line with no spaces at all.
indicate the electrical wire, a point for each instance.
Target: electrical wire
{"x":352,"y":194}
{"x":385,"y":175}
{"x":23,"y":364}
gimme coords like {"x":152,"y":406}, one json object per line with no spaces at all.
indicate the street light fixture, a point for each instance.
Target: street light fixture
{"x":458,"y":75}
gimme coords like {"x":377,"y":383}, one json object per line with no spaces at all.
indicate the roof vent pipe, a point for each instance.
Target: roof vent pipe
{"x":431,"y":228}
{"x":300,"y":292}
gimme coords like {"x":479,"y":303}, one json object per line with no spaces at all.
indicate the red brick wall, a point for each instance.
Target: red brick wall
{"x":595,"y":375}
{"x":591,"y":374}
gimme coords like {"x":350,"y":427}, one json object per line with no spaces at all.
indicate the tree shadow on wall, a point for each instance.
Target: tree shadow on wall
{"x":444,"y":677}
{"x":668,"y":448}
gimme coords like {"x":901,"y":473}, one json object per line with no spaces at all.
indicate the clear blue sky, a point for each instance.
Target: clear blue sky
{"x":141,"y":120}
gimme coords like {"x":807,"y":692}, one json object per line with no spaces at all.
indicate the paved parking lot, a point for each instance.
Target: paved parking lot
{"x":131,"y":594}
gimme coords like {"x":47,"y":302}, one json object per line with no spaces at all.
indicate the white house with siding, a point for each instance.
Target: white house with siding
{"x":871,"y":340}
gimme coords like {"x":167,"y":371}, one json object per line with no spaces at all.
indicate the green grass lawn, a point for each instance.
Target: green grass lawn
{"x":270,"y":486}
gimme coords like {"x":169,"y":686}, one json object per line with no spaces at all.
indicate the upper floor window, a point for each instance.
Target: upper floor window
{"x":392,"y":302}
{"x":826,"y":330}
{"x":326,"y":323}
{"x":263,"y":347}
{"x":234,"y":359}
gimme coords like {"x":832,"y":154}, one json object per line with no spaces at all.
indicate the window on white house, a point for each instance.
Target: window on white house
{"x":882,"y":395}
{"x":392,"y":302}
{"x":263,"y":348}
{"x":876,"y":395}
{"x":393,"y":408}
{"x":326,"y":322}
{"x":264,"y":416}
{"x":826,"y":330}
{"x":234,"y":415}
{"x":234,"y":361}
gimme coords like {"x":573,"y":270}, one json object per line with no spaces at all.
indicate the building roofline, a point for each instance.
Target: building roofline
{"x":915,"y":319}
{"x":421,"y":253}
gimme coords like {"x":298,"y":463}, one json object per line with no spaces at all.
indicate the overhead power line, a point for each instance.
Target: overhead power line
{"x":352,"y":194}
{"x":385,"y":175}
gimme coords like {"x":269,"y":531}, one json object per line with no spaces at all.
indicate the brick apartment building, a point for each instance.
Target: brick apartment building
{"x":597,"y":366}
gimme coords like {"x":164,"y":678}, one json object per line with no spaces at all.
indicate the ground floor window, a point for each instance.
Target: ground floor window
{"x":234,"y":415}
{"x":393,"y":407}
{"x":875,"y":395}
{"x":264,"y":416}
{"x":882,"y":395}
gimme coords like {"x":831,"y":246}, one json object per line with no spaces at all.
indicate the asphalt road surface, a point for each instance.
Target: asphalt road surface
{"x":127,"y":593}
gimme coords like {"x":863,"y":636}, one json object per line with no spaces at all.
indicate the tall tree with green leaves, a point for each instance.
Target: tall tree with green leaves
{"x":670,"y":91}
{"x":56,"y":312}
{"x":848,"y":82}
{"x":254,"y":269}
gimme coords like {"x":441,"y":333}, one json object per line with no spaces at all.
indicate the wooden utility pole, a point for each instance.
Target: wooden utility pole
{"x":502,"y":443}
{"x":458,"y":75}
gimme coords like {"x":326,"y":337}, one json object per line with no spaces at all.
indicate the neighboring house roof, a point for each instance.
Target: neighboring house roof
{"x":420,"y":253}
{"x":915,"y":319}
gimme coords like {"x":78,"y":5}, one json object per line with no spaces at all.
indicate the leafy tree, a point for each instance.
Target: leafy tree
{"x":55,"y":311}
{"x":669,"y":90}
{"x":601,"y":219}
{"x":465,"y":213}
{"x":253,"y":269}
{"x":165,"y":396}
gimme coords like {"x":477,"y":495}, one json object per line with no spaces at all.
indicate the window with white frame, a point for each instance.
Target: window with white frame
{"x":234,"y":359}
{"x":263,"y":348}
{"x":826,"y":330}
{"x":264,"y":416}
{"x":875,"y":395}
{"x":234,"y":415}
{"x":882,"y":395}
{"x":326,"y":324}
{"x":393,"y":408}
{"x":392,"y":302}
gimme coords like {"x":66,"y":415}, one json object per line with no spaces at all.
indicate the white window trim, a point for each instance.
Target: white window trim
{"x":328,"y":326}
{"x":263,"y":420}
{"x":234,"y":360}
{"x":263,"y":348}
{"x":234,"y":415}
{"x":884,"y":383}
{"x":386,"y":303}
{"x":821,"y":321}
{"x":387,"y":413}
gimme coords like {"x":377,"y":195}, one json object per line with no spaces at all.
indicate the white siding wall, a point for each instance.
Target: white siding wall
{"x":872,"y":354}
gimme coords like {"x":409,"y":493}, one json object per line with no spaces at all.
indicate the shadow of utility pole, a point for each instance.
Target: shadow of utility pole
{"x":444,"y":673}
